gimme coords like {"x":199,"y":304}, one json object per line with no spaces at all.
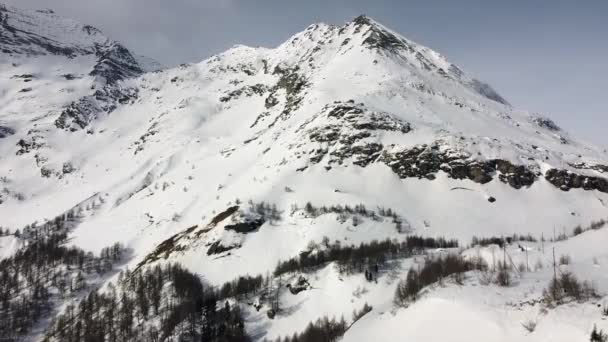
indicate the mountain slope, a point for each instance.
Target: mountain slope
{"x":336,"y":116}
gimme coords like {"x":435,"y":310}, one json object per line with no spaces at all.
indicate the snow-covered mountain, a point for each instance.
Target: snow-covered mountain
{"x":169,"y":161}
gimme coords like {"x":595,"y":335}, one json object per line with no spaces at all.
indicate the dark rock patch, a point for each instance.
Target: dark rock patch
{"x":245,"y":227}
{"x":546,"y":123}
{"x":299,"y":285}
{"x":81,"y":113}
{"x":344,"y":136}
{"x":424,"y":160}
{"x":584,"y":166}
{"x":250,"y":90}
{"x":169,"y":246}
{"x":566,"y":180}
{"x":29,"y":144}
{"x":6,"y":132}
{"x":218,"y":248}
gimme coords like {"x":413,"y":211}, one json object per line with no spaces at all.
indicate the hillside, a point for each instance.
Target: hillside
{"x":347,"y":133}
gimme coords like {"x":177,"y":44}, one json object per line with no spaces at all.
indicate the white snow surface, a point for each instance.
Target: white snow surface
{"x":178,"y":154}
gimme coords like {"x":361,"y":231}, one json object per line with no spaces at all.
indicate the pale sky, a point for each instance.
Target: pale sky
{"x":549,"y":56}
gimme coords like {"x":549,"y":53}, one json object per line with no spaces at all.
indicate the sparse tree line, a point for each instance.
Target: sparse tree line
{"x":355,"y":213}
{"x":45,"y":269}
{"x":243,"y":286}
{"x":366,"y":256}
{"x":565,"y":286}
{"x":266,"y":211}
{"x":358,"y":314}
{"x":500,"y":241}
{"x":598,"y":335}
{"x":170,"y":303}
{"x":593,"y":226}
{"x":323,"y":330}
{"x":434,"y":269}
{"x":155,"y":304}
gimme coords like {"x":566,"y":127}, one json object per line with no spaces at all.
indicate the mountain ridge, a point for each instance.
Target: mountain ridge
{"x":229,"y":166}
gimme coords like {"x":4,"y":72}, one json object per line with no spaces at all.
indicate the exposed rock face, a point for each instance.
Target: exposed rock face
{"x":31,"y":143}
{"x":249,"y":90}
{"x":183,"y":240}
{"x":298,"y":285}
{"x":596,"y":167}
{"x":6,"y":131}
{"x":424,"y":161}
{"x":546,"y":123}
{"x":81,"y":113}
{"x":115,"y":63}
{"x":487,"y":91}
{"x":567,"y":180}
{"x":245,"y":227}
{"x":382,"y":40}
{"x":29,"y":33}
{"x":218,"y":248}
{"x":17,"y":40}
{"x":293,"y":84}
{"x":350,"y":131}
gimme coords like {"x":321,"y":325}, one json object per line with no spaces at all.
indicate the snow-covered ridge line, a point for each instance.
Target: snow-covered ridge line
{"x":331,"y":127}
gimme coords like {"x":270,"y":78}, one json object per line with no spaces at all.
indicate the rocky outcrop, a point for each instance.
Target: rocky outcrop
{"x":16,"y":40}
{"x":31,"y":143}
{"x":39,"y":33}
{"x":115,"y":63}
{"x":81,"y":113}
{"x":566,"y":180}
{"x":218,"y":247}
{"x":249,"y":90}
{"x":349,"y":130}
{"x":292,"y":83}
{"x":595,"y":167}
{"x":245,"y":227}
{"x":424,"y":161}
{"x":382,"y":40}
{"x":546,"y":123}
{"x":6,"y":131}
{"x":183,"y":240}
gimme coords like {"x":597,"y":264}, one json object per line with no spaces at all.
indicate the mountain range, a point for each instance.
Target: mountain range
{"x":341,"y":135}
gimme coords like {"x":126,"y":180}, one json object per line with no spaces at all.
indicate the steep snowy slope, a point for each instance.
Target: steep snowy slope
{"x":335,"y":116}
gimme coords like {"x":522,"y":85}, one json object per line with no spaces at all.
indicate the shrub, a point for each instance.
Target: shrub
{"x":434,"y":270}
{"x":357,"y":258}
{"x":598,"y":335}
{"x":503,"y":276}
{"x":567,"y":286}
{"x":530,"y":325}
{"x":564,"y":260}
{"x":323,"y":330}
{"x":522,"y":268}
{"x":357,"y":315}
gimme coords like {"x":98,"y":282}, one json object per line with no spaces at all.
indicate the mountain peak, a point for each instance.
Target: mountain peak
{"x":255,"y":160}
{"x":319,"y":42}
{"x":363,"y":19}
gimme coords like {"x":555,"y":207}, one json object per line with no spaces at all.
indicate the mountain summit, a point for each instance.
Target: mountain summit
{"x":347,"y":133}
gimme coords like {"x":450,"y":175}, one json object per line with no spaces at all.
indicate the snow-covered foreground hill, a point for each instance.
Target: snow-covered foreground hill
{"x":233,"y":164}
